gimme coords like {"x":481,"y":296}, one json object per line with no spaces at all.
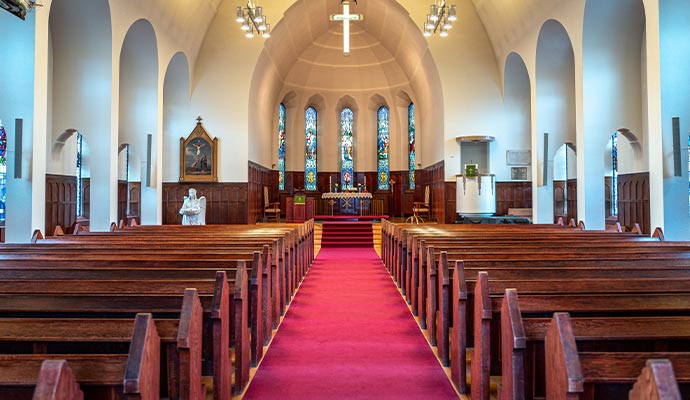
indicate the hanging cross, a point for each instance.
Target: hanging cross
{"x":346,"y":17}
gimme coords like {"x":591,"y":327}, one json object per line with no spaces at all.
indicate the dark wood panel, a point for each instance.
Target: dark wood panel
{"x":633,"y":200}
{"x":513,"y":195}
{"x":61,"y":202}
{"x":258,"y":178}
{"x":434,"y":177}
{"x":226,"y":202}
{"x":559,"y":200}
{"x":451,"y":202}
{"x":134,"y":201}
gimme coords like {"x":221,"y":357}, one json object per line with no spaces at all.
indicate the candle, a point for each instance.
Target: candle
{"x":330,"y":180}
{"x":365,"y":180}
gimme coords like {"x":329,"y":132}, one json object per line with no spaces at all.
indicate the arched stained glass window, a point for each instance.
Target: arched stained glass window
{"x":3,"y":172}
{"x":80,"y":210}
{"x":614,"y":174}
{"x":281,"y":147}
{"x":346,"y":144}
{"x":382,"y":148}
{"x":310,"y":148}
{"x":411,"y":151}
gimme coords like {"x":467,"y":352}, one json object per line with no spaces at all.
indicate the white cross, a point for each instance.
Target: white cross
{"x":346,"y":17}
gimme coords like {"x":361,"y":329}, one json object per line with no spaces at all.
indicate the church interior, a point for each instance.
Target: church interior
{"x":570,"y":113}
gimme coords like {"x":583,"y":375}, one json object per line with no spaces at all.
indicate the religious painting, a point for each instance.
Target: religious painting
{"x":199,"y":156}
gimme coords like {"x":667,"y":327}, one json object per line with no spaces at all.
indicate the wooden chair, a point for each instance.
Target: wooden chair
{"x":270,"y":208}
{"x":422,"y":208}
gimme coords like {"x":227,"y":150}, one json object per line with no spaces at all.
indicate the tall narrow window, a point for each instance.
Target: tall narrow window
{"x":411,"y":151}
{"x":346,"y":142}
{"x":3,"y":172}
{"x":382,"y":152}
{"x":281,"y":147}
{"x":614,"y":173}
{"x":79,"y":183}
{"x":310,"y":149}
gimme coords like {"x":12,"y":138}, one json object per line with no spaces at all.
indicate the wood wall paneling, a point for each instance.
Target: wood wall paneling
{"x":259,"y":177}
{"x":434,"y":177}
{"x":513,"y":195}
{"x":226,"y":202}
{"x":134,"y":201}
{"x":61,"y":202}
{"x":633,"y":200}
{"x":559,"y":201}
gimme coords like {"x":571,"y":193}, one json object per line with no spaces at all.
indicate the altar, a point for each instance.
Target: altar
{"x":350,"y":202}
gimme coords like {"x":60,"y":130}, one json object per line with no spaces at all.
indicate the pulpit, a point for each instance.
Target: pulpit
{"x":299,"y":208}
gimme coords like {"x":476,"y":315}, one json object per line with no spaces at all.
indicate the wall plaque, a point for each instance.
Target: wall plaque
{"x":518,"y":157}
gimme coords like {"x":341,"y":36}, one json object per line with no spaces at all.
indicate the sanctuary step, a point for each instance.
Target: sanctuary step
{"x":347,"y":233}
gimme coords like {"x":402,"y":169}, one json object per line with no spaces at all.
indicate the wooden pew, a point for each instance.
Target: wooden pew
{"x":181,"y":339}
{"x":135,"y":375}
{"x":214,"y":304}
{"x":657,"y":381}
{"x":56,"y":381}
{"x":259,"y":293}
{"x":522,"y":341}
{"x":574,"y":375}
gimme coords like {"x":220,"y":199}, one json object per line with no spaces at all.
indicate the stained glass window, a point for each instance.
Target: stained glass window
{"x":382,"y":146}
{"x":281,"y":147}
{"x":310,"y":149}
{"x":3,"y":172}
{"x":79,"y":182}
{"x":346,"y":142}
{"x":614,"y":174}
{"x":411,"y":151}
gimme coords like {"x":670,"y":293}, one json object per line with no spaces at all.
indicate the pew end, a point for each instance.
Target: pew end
{"x":57,"y":382}
{"x":659,"y":234}
{"x":220,"y":316}
{"x":142,"y":372}
{"x":513,"y":348}
{"x":189,"y":336}
{"x":656,"y":382}
{"x":564,"y":379}
{"x":36,"y":236}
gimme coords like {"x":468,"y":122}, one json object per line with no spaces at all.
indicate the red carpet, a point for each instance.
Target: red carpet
{"x":349,"y":335}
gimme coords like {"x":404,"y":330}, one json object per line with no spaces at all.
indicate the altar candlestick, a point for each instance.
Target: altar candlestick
{"x":365,"y":180}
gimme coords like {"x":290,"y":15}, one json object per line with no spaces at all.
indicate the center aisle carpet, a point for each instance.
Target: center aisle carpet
{"x":349,"y":334}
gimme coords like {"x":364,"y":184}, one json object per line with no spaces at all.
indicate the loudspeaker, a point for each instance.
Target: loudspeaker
{"x":676,"y":147}
{"x":545,"y":166}
{"x":18,"y":131}
{"x":149,"y":139}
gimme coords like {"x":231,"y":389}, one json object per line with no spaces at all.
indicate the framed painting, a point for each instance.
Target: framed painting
{"x":198,"y":156}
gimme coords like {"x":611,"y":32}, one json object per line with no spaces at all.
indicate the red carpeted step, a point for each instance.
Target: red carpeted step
{"x":349,"y":335}
{"x":343,"y":233}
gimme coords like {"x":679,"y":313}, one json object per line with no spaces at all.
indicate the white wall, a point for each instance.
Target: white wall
{"x":177,"y":114}
{"x":517,"y":109}
{"x":17,"y":101}
{"x":555,"y":108}
{"x":675,"y":97}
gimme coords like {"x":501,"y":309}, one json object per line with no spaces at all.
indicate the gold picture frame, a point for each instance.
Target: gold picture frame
{"x":199,"y":156}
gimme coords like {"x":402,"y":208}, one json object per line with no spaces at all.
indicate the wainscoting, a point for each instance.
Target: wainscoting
{"x":633,"y":200}
{"x":226,"y":202}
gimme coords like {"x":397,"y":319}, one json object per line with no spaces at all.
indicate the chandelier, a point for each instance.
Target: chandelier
{"x":253,"y":20}
{"x":439,"y":19}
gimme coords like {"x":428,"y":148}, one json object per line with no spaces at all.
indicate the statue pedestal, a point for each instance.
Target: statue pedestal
{"x":476,"y":195}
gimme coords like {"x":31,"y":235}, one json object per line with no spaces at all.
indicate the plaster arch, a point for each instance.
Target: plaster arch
{"x":555,"y":109}
{"x":178,"y":119}
{"x":517,"y":105}
{"x":613,"y":83}
{"x":388,"y":25}
{"x":139,"y":110}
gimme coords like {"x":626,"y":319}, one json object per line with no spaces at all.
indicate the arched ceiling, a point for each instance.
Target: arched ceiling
{"x":504,"y":20}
